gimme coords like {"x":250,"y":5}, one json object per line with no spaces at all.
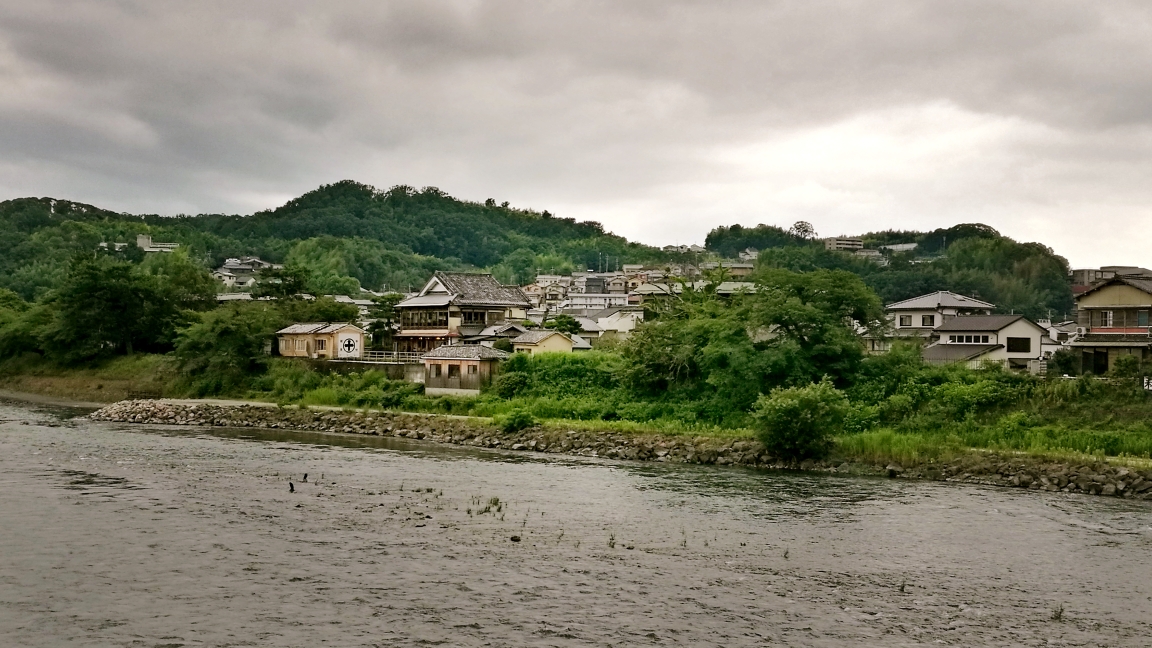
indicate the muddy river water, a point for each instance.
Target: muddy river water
{"x":120,"y":535}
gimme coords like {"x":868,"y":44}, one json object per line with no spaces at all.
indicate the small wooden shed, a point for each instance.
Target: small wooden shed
{"x":321,"y":340}
{"x":459,"y":369}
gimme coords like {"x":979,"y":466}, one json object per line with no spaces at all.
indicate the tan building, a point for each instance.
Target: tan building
{"x":460,"y":370}
{"x":321,"y":340}
{"x":543,"y":342}
{"x":1113,"y":320}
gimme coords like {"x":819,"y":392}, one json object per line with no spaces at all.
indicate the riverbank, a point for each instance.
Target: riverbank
{"x":1076,"y":475}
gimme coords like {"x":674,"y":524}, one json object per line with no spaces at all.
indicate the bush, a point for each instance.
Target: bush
{"x":516,"y":420}
{"x":510,"y":383}
{"x":799,"y":422}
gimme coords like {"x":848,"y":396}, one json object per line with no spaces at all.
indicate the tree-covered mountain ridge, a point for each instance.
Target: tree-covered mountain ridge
{"x":350,"y":235}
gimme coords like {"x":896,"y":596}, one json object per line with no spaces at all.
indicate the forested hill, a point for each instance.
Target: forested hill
{"x":971,"y":259}
{"x":347,"y":234}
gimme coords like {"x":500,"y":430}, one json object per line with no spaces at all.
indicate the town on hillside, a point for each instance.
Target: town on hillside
{"x":453,"y":332}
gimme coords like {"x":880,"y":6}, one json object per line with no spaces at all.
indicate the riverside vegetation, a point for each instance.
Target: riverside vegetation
{"x":780,"y":366}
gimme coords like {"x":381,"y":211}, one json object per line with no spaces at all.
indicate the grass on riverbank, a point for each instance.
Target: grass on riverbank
{"x":108,"y":382}
{"x":1065,"y":419}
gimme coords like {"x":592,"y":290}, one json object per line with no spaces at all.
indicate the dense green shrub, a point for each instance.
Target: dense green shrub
{"x":797,"y":423}
{"x":516,"y":420}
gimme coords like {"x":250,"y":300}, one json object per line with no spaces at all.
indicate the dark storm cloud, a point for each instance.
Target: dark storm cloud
{"x":661,"y":119}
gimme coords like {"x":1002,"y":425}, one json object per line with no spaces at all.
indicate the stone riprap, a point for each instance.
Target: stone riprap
{"x":1095,"y":478}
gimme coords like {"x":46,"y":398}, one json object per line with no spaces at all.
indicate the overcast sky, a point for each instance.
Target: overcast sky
{"x":659,"y":119}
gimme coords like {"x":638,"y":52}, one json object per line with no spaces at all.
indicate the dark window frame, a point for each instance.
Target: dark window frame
{"x":1019,"y":345}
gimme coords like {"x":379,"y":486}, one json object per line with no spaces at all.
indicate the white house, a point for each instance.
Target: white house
{"x":1012,"y":340}
{"x":920,"y":316}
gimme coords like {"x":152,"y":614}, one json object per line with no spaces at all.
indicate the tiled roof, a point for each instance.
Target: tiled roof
{"x":946,"y":353}
{"x":535,"y":337}
{"x":1139,"y":283}
{"x":978,"y":323}
{"x":1113,"y":339}
{"x":939,"y":299}
{"x":315,"y":328}
{"x":481,"y":289}
{"x":465,"y":352}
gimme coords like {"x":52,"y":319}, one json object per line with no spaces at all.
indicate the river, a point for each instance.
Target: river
{"x":121,"y":535}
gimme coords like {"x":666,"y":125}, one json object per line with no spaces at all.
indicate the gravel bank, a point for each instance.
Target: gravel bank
{"x":1096,"y":478}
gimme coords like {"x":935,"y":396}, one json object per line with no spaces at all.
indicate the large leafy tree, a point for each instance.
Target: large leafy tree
{"x":723,"y":352}
{"x":104,"y":309}
{"x":225,"y":347}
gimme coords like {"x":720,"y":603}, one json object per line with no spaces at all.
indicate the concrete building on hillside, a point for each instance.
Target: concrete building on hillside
{"x":843,"y":244}
{"x":145,"y":242}
{"x":918,"y":318}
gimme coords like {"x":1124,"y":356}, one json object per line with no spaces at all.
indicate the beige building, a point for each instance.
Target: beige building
{"x":543,"y":342}
{"x":1011,"y":340}
{"x":321,"y":340}
{"x":1113,"y":320}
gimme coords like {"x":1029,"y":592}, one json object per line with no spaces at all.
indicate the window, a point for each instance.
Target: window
{"x":436,"y":371}
{"x":321,"y":344}
{"x":424,"y":319}
{"x":951,"y":338}
{"x":1019,"y":345}
{"x":472,"y":370}
{"x":299,"y":344}
{"x":453,"y":371}
{"x":1142,"y":318}
{"x":283,"y":344}
{"x":472,"y":317}
{"x":1105,"y":319}
{"x":928,"y":320}
{"x":905,"y":320}
{"x":984,"y":339}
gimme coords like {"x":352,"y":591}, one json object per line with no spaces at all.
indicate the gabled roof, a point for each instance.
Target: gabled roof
{"x":1139,"y":283}
{"x":945,"y":353}
{"x":536,"y":337}
{"x":980,"y":323}
{"x":316,"y":328}
{"x":466,"y":289}
{"x":939,"y":299}
{"x":465,"y":352}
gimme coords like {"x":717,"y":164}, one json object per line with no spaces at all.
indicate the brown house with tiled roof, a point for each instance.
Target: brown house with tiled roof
{"x":1114,"y":317}
{"x":455,"y":305}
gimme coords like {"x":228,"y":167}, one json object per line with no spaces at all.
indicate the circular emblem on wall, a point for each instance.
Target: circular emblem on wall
{"x":349,"y":345}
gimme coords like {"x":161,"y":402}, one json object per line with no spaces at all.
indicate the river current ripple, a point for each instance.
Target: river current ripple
{"x":120,"y":535}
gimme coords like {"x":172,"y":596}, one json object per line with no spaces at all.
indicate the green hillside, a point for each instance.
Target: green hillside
{"x":393,"y":238}
{"x":971,"y":259}
{"x":349,"y":235}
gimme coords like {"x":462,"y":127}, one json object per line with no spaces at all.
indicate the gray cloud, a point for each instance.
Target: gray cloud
{"x":660,"y":119}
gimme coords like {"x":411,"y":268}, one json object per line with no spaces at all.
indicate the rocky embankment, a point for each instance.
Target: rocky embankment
{"x":1096,"y":478}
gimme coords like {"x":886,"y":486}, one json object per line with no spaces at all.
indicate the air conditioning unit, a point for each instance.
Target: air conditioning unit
{"x":1080,"y":330}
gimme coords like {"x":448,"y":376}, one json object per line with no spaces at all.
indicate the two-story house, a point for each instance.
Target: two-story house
{"x":918,"y":318}
{"x":453,"y":305}
{"x":1114,"y":319}
{"x":1012,"y":340}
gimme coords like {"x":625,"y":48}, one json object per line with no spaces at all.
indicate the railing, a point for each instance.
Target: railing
{"x":389,"y":356}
